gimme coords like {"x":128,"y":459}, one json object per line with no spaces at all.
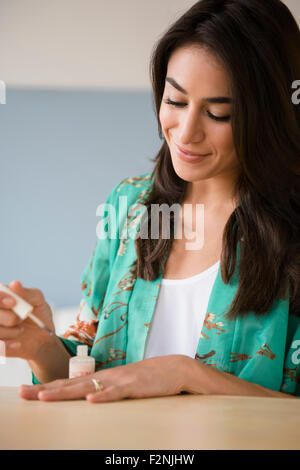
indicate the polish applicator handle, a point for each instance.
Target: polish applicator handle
{"x":23,"y":309}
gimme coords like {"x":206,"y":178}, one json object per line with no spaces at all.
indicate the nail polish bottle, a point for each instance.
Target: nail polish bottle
{"x":82,"y":364}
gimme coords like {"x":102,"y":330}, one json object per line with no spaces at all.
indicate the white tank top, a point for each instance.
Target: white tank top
{"x":179,"y":314}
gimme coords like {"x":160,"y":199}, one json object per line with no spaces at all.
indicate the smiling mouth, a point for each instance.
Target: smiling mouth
{"x":188,"y":158}
{"x":190,"y":154}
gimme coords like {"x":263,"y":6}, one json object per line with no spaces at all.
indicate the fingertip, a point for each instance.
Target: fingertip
{"x":29,"y":392}
{"x":91,"y":397}
{"x":22,"y":391}
{"x":14,"y":345}
{"x":21,"y":394}
{"x":16,"y":287}
{"x":42,"y":395}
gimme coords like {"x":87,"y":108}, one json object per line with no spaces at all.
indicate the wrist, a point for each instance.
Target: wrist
{"x":187,"y":372}
{"x":192,"y":376}
{"x":45,"y":347}
{"x":51,"y":361}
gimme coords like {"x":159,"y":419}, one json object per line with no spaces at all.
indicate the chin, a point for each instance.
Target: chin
{"x":188,"y":173}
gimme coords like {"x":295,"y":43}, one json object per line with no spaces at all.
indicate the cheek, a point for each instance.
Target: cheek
{"x":222,"y":138}
{"x":224,"y":145}
{"x":167,"y":118}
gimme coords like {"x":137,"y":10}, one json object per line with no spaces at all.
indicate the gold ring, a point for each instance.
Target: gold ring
{"x":98,"y":385}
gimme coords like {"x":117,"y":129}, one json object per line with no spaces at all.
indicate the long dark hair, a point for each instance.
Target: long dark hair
{"x":258,"y":42}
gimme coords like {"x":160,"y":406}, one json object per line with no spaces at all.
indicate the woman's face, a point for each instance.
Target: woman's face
{"x":191,"y":123}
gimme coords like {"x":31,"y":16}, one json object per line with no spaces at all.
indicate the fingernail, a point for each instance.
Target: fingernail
{"x":14,"y":345}
{"x":7,"y":301}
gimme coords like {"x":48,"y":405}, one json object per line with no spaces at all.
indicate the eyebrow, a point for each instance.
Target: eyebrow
{"x":214,"y":99}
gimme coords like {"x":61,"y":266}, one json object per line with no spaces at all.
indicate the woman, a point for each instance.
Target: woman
{"x":221,"y":315}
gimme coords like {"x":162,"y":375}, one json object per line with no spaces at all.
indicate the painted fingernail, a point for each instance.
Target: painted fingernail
{"x":14,"y":345}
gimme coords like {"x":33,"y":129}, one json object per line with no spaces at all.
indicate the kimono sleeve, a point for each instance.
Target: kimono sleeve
{"x":291,"y":371}
{"x":94,"y":280}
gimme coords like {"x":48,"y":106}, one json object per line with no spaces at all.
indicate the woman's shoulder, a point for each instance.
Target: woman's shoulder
{"x":136,"y":183}
{"x":135,"y":188}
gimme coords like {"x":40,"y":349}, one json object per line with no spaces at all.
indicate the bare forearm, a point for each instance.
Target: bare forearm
{"x":206,"y":380}
{"x":52,"y":362}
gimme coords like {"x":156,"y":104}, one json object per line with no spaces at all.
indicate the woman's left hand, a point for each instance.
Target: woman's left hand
{"x":157,"y":376}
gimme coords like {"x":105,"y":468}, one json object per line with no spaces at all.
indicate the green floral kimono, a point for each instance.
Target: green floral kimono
{"x":116,"y":310}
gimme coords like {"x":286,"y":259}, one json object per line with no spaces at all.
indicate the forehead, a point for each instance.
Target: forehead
{"x":198,"y":71}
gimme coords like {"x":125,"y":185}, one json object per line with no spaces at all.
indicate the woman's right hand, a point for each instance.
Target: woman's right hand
{"x":23,"y":338}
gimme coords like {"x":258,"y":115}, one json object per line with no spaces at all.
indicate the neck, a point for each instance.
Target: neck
{"x":214,"y":193}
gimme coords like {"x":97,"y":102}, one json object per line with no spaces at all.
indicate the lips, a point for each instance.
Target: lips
{"x":189,"y":153}
{"x":188,"y":158}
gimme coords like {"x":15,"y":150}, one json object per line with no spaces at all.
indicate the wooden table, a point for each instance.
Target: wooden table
{"x":179,"y":422}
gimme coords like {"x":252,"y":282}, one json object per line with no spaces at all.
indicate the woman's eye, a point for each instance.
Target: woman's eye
{"x":174,"y":103}
{"x":181,"y":105}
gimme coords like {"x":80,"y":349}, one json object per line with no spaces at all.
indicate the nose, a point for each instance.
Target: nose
{"x":191,"y":128}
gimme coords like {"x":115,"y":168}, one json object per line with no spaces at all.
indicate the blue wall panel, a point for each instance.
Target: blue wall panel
{"x":61,"y":154}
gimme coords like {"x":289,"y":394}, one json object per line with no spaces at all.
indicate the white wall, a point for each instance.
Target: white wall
{"x":84,"y":43}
